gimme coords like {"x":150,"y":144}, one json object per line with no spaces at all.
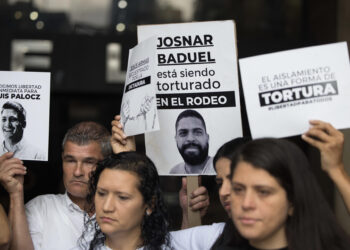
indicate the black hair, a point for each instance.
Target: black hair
{"x":312,"y":225}
{"x":228,"y":149}
{"x":154,"y":228}
{"x":229,"y":236}
{"x":189,"y":113}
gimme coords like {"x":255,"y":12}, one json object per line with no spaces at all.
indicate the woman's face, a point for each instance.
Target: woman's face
{"x":222,"y":179}
{"x":259,"y":206}
{"x":119,"y":204}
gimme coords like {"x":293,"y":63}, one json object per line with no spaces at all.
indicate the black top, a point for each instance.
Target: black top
{"x":246,"y":247}
{"x":230,"y":239}
{"x":249,"y":247}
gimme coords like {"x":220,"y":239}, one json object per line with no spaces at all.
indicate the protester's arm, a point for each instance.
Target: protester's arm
{"x":12,"y":173}
{"x":119,"y":141}
{"x":5,"y":235}
{"x":330,"y":142}
{"x":199,"y":201}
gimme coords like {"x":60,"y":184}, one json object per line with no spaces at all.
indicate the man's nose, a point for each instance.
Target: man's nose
{"x":6,"y":123}
{"x":190,"y":137}
{"x":78,"y":170}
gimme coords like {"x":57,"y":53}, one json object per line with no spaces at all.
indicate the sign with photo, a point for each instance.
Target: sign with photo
{"x":284,"y":90}
{"x":139,"y":109}
{"x":25,"y":107}
{"x":197,"y":95}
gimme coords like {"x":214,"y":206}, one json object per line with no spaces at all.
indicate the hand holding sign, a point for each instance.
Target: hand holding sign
{"x":330,"y":142}
{"x":119,"y":141}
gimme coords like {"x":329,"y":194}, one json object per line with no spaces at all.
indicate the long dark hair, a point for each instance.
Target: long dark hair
{"x":228,"y":149}
{"x":229,"y":236}
{"x":154,"y":228}
{"x":312,"y":225}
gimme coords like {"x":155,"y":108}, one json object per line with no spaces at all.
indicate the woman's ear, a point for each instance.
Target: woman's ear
{"x":290,"y":209}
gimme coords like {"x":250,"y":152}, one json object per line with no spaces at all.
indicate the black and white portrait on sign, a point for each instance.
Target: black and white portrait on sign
{"x":24,"y":110}
{"x":192,"y":141}
{"x":13,"y":124}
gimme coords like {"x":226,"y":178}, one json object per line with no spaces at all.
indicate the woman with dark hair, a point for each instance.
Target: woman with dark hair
{"x":276,"y":202}
{"x":222,"y":163}
{"x":217,"y":235}
{"x":124,"y":193}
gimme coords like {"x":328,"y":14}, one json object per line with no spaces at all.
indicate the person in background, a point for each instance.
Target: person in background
{"x":222,"y":163}
{"x":55,"y":221}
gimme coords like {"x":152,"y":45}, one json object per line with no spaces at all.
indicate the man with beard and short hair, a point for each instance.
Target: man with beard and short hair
{"x":13,"y":123}
{"x":192,"y":142}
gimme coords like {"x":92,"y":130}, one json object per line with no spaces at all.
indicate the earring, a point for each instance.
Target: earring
{"x":148,"y":212}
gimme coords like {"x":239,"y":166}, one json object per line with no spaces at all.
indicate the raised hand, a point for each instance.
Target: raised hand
{"x":119,"y":141}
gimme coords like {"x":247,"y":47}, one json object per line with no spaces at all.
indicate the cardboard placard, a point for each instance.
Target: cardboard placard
{"x":284,"y":90}
{"x":138,"y":109}
{"x":25,"y":107}
{"x":196,"y":84}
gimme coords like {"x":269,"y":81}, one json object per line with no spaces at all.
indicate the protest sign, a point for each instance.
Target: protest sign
{"x":197,"y":95}
{"x":284,"y":90}
{"x":25,"y":107}
{"x":139,"y":109}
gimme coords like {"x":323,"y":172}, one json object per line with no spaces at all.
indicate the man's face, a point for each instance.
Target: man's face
{"x":11,"y":126}
{"x":78,"y":162}
{"x":192,"y":140}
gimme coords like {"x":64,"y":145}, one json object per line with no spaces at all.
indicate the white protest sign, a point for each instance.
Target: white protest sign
{"x":25,"y":107}
{"x":139,"y":108}
{"x":284,"y":90}
{"x":197,"y":86}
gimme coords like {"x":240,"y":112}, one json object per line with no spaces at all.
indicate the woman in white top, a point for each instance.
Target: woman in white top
{"x":130,"y":213}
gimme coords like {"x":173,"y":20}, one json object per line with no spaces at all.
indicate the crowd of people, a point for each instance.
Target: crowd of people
{"x":113,"y":198}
